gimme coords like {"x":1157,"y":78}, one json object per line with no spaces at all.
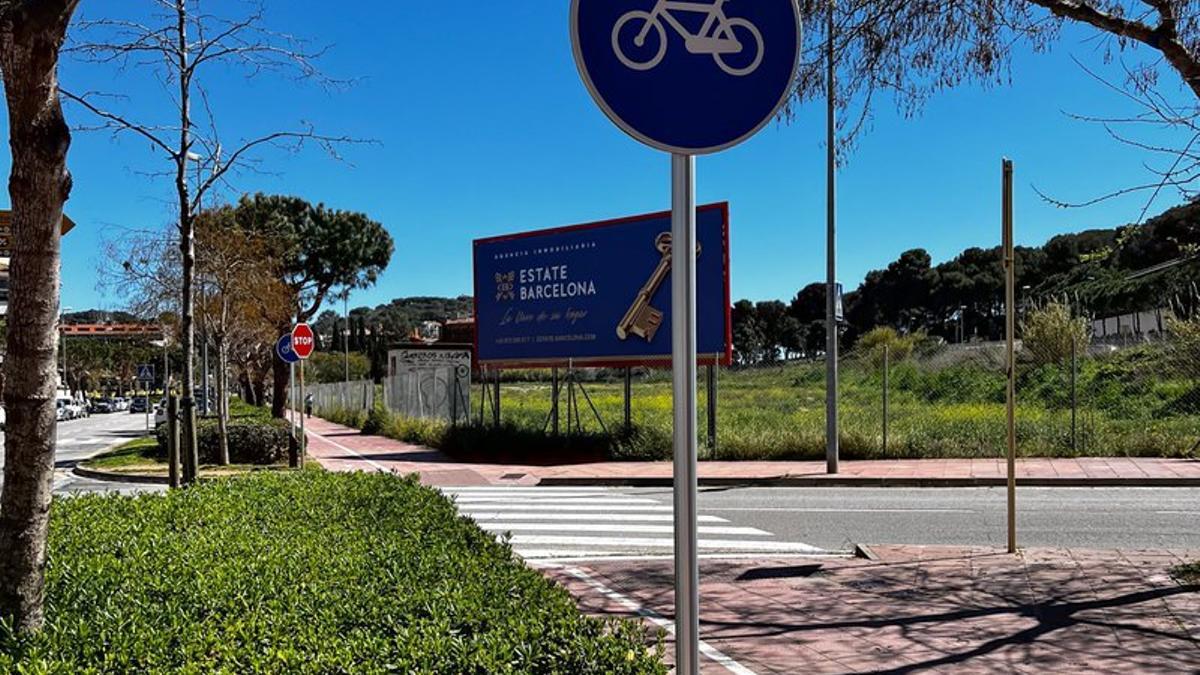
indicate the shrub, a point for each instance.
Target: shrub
{"x":312,"y":572}
{"x":251,"y":440}
{"x":1049,"y":332}
{"x":899,"y":347}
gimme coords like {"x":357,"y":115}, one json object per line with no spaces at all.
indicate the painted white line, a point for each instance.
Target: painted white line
{"x":555,"y":500}
{"x":542,"y":506}
{"x":650,"y":542}
{"x":590,"y":517}
{"x":520,"y":492}
{"x":619,"y":527}
{"x":1177,"y":513}
{"x":556,"y":558}
{"x":791,"y":510}
{"x":343,"y":448}
{"x":708,"y":650}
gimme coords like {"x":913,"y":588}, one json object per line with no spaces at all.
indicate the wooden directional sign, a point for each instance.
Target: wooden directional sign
{"x":6,"y":231}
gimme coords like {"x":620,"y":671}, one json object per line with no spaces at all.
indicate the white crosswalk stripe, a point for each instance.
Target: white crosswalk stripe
{"x":550,"y":524}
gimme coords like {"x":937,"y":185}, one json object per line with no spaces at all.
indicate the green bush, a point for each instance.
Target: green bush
{"x":251,"y":440}
{"x":303,"y":573}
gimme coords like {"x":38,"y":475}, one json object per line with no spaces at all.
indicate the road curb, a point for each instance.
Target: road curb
{"x":852,"y":481}
{"x":109,"y":476}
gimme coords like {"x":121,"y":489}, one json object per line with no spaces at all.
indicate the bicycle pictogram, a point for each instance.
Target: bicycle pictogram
{"x":719,"y":36}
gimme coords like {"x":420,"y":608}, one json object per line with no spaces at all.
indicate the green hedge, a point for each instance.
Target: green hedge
{"x":251,"y":440}
{"x":303,"y":573}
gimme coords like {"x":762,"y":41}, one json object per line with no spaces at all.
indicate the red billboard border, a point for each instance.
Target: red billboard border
{"x":724,"y":359}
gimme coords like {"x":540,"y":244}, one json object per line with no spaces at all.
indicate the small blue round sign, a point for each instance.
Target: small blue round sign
{"x":688,"y":76}
{"x":284,"y":349}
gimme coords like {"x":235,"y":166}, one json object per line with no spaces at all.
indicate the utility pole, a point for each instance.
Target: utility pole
{"x":1010,"y":327}
{"x":831,"y":328}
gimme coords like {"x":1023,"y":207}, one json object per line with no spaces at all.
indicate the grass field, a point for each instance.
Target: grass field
{"x":1126,"y":404}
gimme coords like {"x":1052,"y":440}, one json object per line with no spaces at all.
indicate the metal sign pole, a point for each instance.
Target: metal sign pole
{"x":303,"y":402}
{"x":832,"y":450}
{"x":1010,"y":320}
{"x":683,"y":363}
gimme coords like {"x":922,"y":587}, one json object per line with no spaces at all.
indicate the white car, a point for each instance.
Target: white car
{"x":160,"y":415}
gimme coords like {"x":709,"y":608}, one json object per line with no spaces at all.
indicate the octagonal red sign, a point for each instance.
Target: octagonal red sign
{"x":303,"y":342}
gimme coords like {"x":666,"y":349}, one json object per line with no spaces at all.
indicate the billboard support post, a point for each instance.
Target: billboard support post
{"x":496,"y":402}
{"x":710,"y":389}
{"x":628,"y":399}
{"x":554,"y":400}
{"x":683,"y":365}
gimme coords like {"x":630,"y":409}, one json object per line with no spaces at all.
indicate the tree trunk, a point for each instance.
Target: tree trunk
{"x":31,"y":34}
{"x":222,"y":416}
{"x":187,"y":249}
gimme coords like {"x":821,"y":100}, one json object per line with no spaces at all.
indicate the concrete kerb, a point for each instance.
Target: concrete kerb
{"x":864,"y":481}
{"x":113,"y":477}
{"x":96,"y":474}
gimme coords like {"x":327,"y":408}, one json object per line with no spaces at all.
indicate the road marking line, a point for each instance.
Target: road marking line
{"x":613,"y":517}
{"x":791,"y":510}
{"x":533,"y":492}
{"x":558,"y":558}
{"x":543,"y":506}
{"x":1177,"y":513}
{"x":555,"y":500}
{"x":651,"y":542}
{"x":343,"y":448}
{"x":618,"y":527}
{"x":657,"y":619}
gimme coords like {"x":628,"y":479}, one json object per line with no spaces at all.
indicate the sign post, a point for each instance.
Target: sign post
{"x":283,"y":349}
{"x":303,"y":343}
{"x":146,"y":377}
{"x":1010,"y":329}
{"x":686,"y":94}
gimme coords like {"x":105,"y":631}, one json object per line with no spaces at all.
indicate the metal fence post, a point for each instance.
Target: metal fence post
{"x":886,"y":370}
{"x":1074,"y":396}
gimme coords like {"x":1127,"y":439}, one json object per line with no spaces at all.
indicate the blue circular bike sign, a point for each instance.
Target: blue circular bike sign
{"x":687,"y":76}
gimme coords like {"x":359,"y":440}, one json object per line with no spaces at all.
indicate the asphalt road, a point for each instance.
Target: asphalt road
{"x":1135,"y":518}
{"x":80,"y":439}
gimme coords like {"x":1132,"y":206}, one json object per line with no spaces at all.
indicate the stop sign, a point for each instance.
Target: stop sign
{"x":303,"y":342}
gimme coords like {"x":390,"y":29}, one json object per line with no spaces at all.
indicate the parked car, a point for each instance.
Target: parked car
{"x":101,"y":406}
{"x":139,"y":405}
{"x":120,"y":404}
{"x":62,"y":409}
{"x":160,"y":414}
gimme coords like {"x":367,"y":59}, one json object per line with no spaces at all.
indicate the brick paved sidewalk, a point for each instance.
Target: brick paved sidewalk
{"x":923,"y":609}
{"x":344,"y":449}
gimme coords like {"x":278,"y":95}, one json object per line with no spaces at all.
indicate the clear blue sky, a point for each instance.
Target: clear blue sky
{"x":484,"y":128}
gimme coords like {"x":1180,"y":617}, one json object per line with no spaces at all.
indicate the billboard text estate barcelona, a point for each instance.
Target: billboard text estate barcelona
{"x":598,"y":294}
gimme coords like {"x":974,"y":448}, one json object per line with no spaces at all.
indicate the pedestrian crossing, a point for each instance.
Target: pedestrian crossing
{"x":571,"y":523}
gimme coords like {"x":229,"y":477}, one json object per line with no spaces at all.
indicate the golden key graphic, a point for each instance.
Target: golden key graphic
{"x":642,"y":319}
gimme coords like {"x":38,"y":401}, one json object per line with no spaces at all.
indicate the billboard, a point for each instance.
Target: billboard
{"x":598,"y":294}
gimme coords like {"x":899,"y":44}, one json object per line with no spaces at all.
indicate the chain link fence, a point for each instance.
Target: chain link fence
{"x":353,"y":396}
{"x":1078,"y":393}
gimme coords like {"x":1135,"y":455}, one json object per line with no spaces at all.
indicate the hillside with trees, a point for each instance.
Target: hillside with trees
{"x":1099,"y":272}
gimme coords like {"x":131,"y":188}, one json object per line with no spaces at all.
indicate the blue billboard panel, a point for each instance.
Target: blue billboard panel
{"x":598,"y":294}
